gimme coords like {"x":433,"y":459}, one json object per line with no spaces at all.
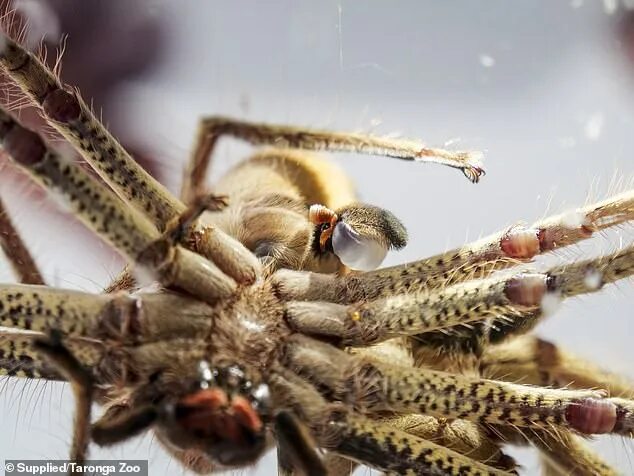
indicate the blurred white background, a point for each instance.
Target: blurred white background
{"x":545,"y":88}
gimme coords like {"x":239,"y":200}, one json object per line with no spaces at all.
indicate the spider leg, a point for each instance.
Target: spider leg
{"x":395,"y":451}
{"x":23,"y":264}
{"x":459,"y":435}
{"x":67,"y":112}
{"x":114,"y":428}
{"x":192,"y":459}
{"x":379,"y":445}
{"x":231,"y":257}
{"x":123,"y":318}
{"x":337,"y":465}
{"x":295,"y":448}
{"x":562,"y":452}
{"x":462,"y":436}
{"x":566,"y":453}
{"x":19,"y":359}
{"x":100,"y":209}
{"x":211,"y":128}
{"x":479,"y":259}
{"x":534,"y":361}
{"x":512,"y":246}
{"x":507,"y":298}
{"x":375,"y":387}
{"x":82,"y":384}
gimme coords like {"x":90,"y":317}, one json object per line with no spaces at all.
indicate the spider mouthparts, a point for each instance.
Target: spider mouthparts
{"x":211,"y":413}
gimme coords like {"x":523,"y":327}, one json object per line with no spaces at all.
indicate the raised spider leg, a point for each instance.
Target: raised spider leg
{"x":100,"y":209}
{"x":231,"y":256}
{"x":83,"y":387}
{"x":211,"y":128}
{"x":67,"y":112}
{"x":375,"y":387}
{"x":16,"y":251}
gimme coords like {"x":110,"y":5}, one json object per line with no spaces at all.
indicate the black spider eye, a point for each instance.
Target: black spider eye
{"x":233,"y":377}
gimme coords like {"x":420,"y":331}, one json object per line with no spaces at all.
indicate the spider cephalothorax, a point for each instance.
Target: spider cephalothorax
{"x":268,"y":324}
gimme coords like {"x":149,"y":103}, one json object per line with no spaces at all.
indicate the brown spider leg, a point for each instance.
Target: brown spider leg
{"x":337,"y":465}
{"x":100,"y":209}
{"x":211,"y":128}
{"x":67,"y":112}
{"x":510,"y":247}
{"x":567,"y":453}
{"x":375,"y":387}
{"x":192,"y":459}
{"x":136,"y":319}
{"x":231,"y":257}
{"x":510,"y":298}
{"x":295,"y":448}
{"x":366,"y":441}
{"x":530,"y":360}
{"x":475,"y":260}
{"x":462,"y":436}
{"x":82,"y":384}
{"x":111,"y":429}
{"x":395,"y":451}
{"x":16,"y":251}
{"x":457,"y":435}
{"x":19,"y":359}
{"x":411,"y":314}
{"x":562,"y":452}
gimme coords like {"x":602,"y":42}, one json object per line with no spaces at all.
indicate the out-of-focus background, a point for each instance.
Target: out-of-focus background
{"x":545,"y":89}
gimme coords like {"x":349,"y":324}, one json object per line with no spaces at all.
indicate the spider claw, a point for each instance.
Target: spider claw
{"x":473,"y":173}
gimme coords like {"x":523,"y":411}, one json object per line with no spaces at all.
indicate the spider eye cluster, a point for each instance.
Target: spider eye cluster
{"x":224,"y":416}
{"x":234,"y":381}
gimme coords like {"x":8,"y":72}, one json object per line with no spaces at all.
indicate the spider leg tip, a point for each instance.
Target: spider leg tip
{"x":473,"y":173}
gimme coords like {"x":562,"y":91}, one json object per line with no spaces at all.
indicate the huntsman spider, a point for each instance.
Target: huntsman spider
{"x":269,"y":322}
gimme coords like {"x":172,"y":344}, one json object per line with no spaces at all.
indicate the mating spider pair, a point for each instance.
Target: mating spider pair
{"x":268,"y":325}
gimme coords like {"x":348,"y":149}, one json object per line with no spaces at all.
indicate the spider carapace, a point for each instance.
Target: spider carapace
{"x":268,"y":321}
